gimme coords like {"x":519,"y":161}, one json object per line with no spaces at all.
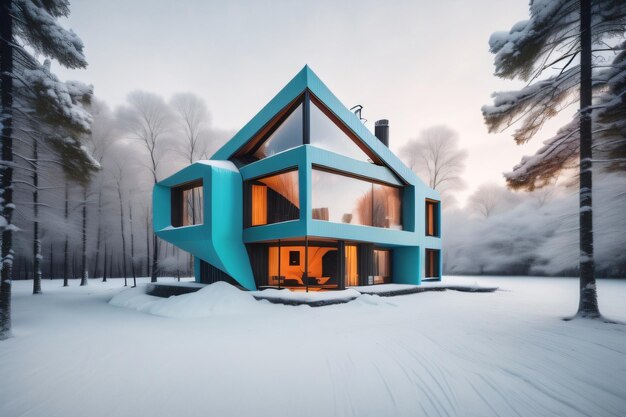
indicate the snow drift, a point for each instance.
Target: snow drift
{"x":216,"y":299}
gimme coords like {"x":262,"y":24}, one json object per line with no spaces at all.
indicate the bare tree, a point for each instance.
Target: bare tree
{"x":118,"y":182}
{"x":193,"y":117}
{"x":148,"y":119}
{"x":489,"y":199}
{"x":147,"y":241}
{"x":98,"y":234}
{"x":132,"y":243}
{"x":436,"y":158}
{"x":104,"y":272}
{"x":103,"y":129}
{"x":545,"y":194}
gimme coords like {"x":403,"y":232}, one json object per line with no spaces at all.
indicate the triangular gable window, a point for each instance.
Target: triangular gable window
{"x":287,"y":135}
{"x":326,"y":134}
{"x":288,"y":130}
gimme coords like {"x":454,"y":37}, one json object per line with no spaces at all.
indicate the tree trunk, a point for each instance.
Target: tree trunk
{"x":74,"y":266}
{"x":66,"y":255}
{"x":147,"y":242}
{"x":111,"y":265}
{"x":36,"y":241}
{"x":155,"y":257}
{"x":84,"y":273}
{"x":119,"y":193}
{"x":588,"y":304}
{"x":177,"y":263}
{"x":51,"y":260}
{"x":98,"y":236}
{"x":6,"y":87}
{"x":104,"y":273}
{"x":132,"y":243}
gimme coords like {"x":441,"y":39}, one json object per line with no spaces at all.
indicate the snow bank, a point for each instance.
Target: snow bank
{"x":306,"y":297}
{"x":134,"y":298}
{"x":215,"y":299}
{"x":373,"y":300}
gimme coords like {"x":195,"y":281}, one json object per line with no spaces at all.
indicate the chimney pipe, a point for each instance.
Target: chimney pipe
{"x":381,"y":131}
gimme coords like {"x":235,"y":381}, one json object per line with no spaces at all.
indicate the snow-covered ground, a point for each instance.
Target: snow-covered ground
{"x":448,"y":353}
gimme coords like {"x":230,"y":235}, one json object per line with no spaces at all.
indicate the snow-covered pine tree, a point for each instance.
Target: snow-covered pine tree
{"x":36,"y":104}
{"x":36,"y":236}
{"x":573,"y":35}
{"x":53,"y":150}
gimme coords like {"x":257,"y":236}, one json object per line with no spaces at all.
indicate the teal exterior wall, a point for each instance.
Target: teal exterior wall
{"x":218,"y":239}
{"x":221,"y":240}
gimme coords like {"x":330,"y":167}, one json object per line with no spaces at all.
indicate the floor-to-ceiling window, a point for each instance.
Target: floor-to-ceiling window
{"x":382,"y":266}
{"x":319,"y":264}
{"x":272,"y":199}
{"x":288,"y":267}
{"x":351,"y":265}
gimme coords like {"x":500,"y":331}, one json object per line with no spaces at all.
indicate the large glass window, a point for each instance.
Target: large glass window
{"x":342,"y":199}
{"x":187,"y":207}
{"x":387,"y":210}
{"x":287,"y":135}
{"x":272,"y":199}
{"x":432,"y":218}
{"x":432,"y":263}
{"x":287,"y":265}
{"x":327,"y":135}
{"x":382,"y":266}
{"x":351,"y":265}
{"x":287,"y":131}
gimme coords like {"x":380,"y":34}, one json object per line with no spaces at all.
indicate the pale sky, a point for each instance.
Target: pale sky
{"x":416,"y":63}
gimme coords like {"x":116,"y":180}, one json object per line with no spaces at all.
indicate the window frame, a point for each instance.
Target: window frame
{"x":372,"y":182}
{"x":177,"y":214}
{"x":436,"y":217}
{"x":437,"y":263}
{"x":245,"y":154}
{"x":389,"y":278}
{"x":247,"y":198}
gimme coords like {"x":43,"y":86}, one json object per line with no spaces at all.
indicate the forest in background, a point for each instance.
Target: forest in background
{"x":146,"y":139}
{"x":497,"y":231}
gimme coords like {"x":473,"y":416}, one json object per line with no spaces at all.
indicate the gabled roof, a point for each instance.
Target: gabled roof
{"x":307,"y":79}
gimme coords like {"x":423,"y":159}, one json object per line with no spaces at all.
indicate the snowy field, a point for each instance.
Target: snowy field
{"x":448,"y":353}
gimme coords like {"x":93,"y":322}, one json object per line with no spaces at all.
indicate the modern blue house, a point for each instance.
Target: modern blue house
{"x":303,"y":196}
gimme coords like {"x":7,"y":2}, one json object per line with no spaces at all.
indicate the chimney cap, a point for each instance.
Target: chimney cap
{"x":382,"y":122}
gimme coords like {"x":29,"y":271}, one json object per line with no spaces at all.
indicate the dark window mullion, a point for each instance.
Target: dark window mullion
{"x":306,"y":119}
